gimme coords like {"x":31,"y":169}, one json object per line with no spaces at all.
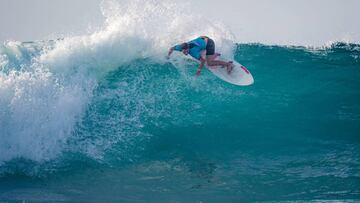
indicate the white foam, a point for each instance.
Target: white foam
{"x":37,"y":114}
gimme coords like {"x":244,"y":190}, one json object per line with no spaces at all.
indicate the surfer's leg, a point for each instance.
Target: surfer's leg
{"x":210,"y":60}
{"x":230,"y":68}
{"x":211,"y":57}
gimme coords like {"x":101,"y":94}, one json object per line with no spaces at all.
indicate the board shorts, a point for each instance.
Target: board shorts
{"x":210,"y":47}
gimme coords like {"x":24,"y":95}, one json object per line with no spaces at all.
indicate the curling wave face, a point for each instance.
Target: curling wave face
{"x":46,"y":86}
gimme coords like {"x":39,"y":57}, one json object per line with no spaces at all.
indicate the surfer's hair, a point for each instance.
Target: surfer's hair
{"x":184,"y":46}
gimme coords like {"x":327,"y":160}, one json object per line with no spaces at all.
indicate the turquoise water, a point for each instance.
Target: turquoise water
{"x":104,"y":117}
{"x":150,"y":131}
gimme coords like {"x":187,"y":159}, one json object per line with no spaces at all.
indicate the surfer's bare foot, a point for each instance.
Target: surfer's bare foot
{"x":230,"y":67}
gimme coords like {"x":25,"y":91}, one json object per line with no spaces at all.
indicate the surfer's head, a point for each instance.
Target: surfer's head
{"x":185,"y":48}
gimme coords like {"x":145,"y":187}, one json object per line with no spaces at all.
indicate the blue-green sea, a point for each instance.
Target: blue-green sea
{"x":105,"y":117}
{"x":149,"y":131}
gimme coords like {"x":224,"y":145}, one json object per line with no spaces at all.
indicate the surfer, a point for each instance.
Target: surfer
{"x":202,"y":49}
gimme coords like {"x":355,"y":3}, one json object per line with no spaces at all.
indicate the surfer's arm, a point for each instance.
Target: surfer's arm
{"x":171,"y":50}
{"x":174,"y":48}
{"x":202,"y":62}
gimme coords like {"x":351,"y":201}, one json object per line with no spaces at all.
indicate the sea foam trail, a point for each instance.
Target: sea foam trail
{"x":45,"y":87}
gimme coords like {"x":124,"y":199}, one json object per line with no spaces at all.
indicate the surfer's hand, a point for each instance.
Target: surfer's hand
{"x":198,"y":72}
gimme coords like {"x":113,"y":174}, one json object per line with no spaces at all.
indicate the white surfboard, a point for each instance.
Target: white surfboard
{"x":238,"y":76}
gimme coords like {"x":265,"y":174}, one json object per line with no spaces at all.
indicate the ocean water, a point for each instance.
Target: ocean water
{"x":104,"y":117}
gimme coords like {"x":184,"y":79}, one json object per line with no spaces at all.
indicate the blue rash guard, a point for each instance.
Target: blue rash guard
{"x":196,"y":46}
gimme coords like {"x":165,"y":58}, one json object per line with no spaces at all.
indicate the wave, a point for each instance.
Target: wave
{"x":101,"y":96}
{"x":46,"y":86}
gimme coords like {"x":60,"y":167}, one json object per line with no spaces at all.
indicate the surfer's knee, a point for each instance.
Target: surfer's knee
{"x":209,"y":60}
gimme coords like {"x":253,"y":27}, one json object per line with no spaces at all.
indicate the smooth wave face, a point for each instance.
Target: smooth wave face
{"x":104,"y":117}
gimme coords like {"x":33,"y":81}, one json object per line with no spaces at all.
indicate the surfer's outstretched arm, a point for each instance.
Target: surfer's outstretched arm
{"x":171,"y":50}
